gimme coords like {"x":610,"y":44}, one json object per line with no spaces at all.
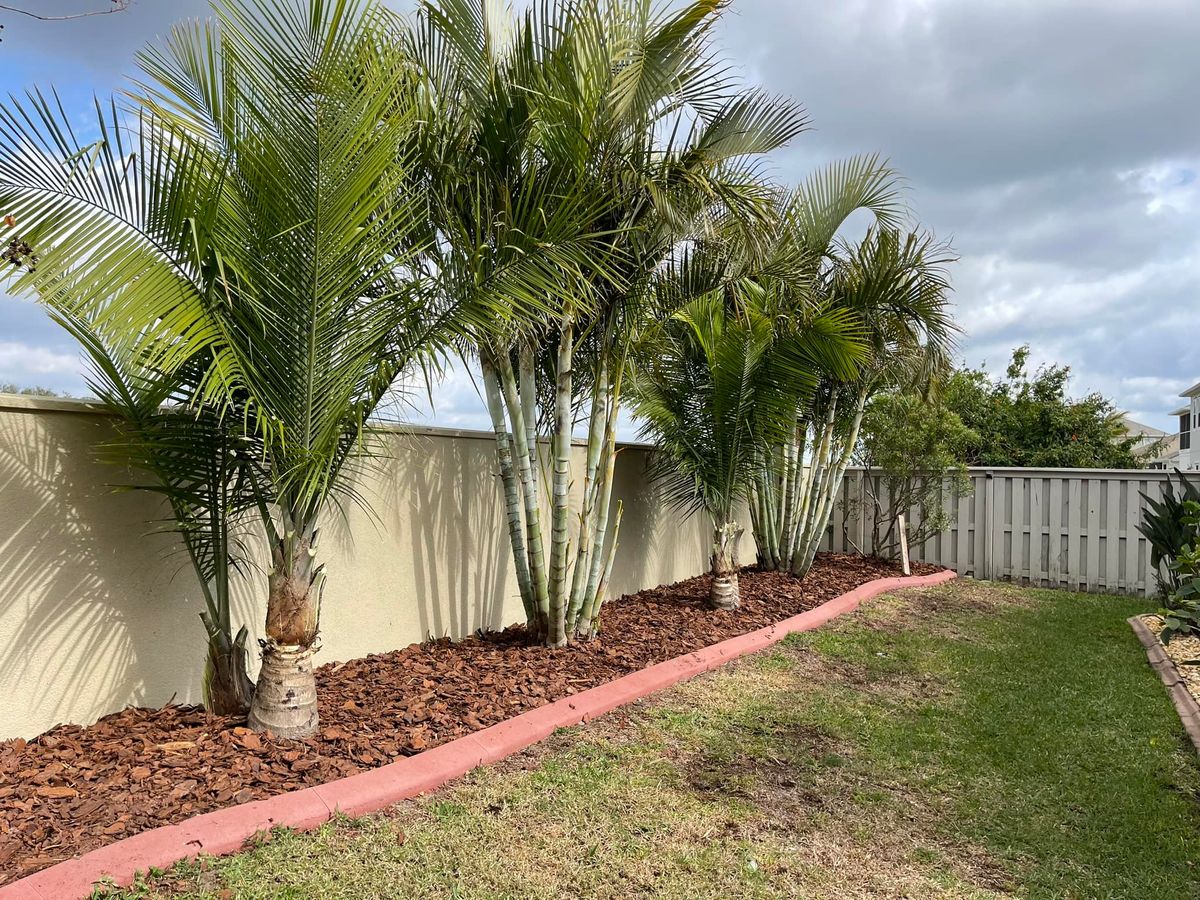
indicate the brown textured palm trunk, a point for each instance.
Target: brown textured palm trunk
{"x":285,"y":699}
{"x":228,"y":689}
{"x":724,"y":592}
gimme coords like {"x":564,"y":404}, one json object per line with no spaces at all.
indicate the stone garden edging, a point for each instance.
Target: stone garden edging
{"x":226,"y":831}
{"x":1185,"y":703}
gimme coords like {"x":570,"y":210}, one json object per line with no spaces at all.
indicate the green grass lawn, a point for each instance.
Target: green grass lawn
{"x":970,"y":740}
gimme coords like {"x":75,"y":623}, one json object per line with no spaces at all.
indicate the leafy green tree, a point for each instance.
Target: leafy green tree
{"x":913,"y":451}
{"x":31,"y":391}
{"x":1030,"y":421}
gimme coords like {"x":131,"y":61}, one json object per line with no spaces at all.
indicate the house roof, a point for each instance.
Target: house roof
{"x":1182,"y":411}
{"x":1193,"y":391}
{"x":1132,"y":426}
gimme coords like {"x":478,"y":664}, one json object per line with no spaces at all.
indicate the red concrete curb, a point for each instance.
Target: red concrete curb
{"x":227,"y":830}
{"x":1185,"y":703}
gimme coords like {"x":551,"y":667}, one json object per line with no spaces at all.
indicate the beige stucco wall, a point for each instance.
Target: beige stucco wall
{"x":97,"y":611}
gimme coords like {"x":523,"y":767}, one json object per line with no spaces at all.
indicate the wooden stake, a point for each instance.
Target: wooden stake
{"x":904,"y":546}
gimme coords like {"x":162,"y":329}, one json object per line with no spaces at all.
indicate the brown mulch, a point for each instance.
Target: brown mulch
{"x":74,"y":789}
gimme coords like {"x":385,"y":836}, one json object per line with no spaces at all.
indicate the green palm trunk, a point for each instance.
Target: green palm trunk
{"x":512,"y":490}
{"x":527,"y":476}
{"x":556,"y":635}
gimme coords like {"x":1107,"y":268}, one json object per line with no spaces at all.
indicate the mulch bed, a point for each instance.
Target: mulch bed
{"x":74,"y":789}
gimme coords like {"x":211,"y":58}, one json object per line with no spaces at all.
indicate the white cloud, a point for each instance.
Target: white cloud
{"x":18,"y":361}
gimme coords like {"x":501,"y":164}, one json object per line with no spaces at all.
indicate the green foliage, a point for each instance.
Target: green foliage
{"x":210,"y":473}
{"x":1164,"y":527}
{"x":1182,"y":613}
{"x":717,"y":386}
{"x":1030,"y":421}
{"x":32,"y":391}
{"x":914,"y":450}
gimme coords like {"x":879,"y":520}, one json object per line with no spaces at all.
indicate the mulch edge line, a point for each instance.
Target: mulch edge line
{"x":1185,"y":703}
{"x":226,"y":831}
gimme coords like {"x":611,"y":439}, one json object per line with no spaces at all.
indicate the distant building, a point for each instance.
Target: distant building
{"x":1155,"y":447}
{"x":1189,"y":430}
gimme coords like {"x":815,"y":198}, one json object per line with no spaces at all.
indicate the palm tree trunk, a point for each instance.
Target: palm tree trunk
{"x":285,"y":699}
{"x":529,"y":409}
{"x":512,"y":492}
{"x":757,"y":526}
{"x":589,"y":625}
{"x":527,"y":476}
{"x":724,"y":592}
{"x":227,"y":687}
{"x":832,"y":484}
{"x":593,"y":595}
{"x":587,"y":515}
{"x":818,"y":475}
{"x":788,"y":489}
{"x":556,"y":635}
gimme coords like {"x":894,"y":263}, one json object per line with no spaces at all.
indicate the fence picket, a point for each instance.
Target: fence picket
{"x":1075,"y":528}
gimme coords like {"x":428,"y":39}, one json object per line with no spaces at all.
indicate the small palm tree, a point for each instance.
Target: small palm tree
{"x":715,"y":388}
{"x":896,"y":285}
{"x":258,"y":216}
{"x":209,"y":472}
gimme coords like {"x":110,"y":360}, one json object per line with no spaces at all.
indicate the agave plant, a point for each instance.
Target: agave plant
{"x":1164,"y":526}
{"x":258,"y":217}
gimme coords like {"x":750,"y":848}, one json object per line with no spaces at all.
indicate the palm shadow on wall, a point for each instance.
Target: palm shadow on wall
{"x":446,"y":505}
{"x":657,"y":544}
{"x":90,"y":624}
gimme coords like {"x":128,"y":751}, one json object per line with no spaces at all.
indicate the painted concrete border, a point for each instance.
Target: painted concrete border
{"x":226,"y":831}
{"x":1185,"y":703}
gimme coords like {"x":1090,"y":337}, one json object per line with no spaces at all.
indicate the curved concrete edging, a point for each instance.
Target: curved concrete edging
{"x":1185,"y":703}
{"x":227,"y":830}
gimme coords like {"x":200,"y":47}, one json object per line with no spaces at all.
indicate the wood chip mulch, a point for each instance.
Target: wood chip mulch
{"x":74,"y":789}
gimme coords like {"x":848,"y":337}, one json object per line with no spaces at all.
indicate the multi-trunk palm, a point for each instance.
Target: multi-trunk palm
{"x":895,"y":284}
{"x":618,"y":118}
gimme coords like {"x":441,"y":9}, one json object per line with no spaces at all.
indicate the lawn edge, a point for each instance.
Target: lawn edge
{"x":1185,"y":703}
{"x":226,"y":831}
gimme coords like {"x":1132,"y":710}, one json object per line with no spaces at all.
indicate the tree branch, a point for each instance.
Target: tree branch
{"x":116,"y":7}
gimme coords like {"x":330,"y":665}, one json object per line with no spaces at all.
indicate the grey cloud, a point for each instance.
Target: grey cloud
{"x":983,"y":91}
{"x":1055,"y":141}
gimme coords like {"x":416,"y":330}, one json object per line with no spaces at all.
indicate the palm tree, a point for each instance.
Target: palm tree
{"x":207,"y":469}
{"x":514,"y":212}
{"x":715,"y":389}
{"x":895,"y":284}
{"x":794,"y":492}
{"x":259,"y":212}
{"x":641,"y":127}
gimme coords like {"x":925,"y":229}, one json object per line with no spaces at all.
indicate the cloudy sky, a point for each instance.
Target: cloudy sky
{"x":1056,"y":142}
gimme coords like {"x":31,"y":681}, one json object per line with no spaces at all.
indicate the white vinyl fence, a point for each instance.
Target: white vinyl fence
{"x":1068,"y":528}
